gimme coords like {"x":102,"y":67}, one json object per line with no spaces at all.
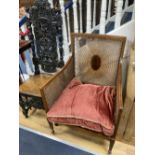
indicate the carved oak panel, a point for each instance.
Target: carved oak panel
{"x":47,"y":26}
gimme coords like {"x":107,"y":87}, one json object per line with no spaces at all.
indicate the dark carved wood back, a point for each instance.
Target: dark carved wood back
{"x":47,"y":28}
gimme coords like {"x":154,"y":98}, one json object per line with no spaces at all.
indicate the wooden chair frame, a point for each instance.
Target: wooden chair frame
{"x":50,"y":93}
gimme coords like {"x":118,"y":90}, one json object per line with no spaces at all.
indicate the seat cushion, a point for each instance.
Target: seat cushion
{"x":86,"y":105}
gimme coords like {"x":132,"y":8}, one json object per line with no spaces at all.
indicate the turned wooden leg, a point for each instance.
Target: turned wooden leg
{"x":25,"y":112}
{"x":51,"y":126}
{"x":112,"y":142}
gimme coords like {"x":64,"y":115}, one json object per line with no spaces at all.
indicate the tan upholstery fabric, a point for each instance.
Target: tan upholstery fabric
{"x":109,"y":53}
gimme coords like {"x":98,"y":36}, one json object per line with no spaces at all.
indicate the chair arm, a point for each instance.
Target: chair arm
{"x":52,"y":90}
{"x":119,"y":99}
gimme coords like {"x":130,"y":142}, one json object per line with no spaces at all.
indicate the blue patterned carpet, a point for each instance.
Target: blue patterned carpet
{"x":35,"y":144}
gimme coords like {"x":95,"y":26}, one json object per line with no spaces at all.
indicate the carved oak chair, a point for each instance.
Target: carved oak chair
{"x":96,"y":62}
{"x":45,"y":40}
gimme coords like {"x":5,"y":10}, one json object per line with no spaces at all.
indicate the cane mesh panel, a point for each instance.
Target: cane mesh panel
{"x":108,"y":50}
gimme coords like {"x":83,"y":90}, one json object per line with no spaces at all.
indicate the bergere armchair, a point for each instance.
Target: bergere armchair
{"x":87,"y":92}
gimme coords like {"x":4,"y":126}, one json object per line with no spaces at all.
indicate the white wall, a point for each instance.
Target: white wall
{"x":127,"y":30}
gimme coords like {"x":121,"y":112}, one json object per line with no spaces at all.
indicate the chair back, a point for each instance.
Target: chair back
{"x":96,"y":57}
{"x":47,"y":27}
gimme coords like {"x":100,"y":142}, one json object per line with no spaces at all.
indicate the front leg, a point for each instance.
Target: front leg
{"x":24,"y":104}
{"x":51,"y":126}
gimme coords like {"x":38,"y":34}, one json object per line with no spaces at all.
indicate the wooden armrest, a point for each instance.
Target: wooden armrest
{"x":119,"y":100}
{"x":53,"y":89}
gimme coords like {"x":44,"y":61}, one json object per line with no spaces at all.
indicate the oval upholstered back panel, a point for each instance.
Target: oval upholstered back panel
{"x":96,"y":59}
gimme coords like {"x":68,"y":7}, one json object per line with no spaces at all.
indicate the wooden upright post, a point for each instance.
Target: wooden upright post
{"x":119,"y":5}
{"x":68,"y":24}
{"x":65,"y":42}
{"x":51,"y":2}
{"x":94,"y":14}
{"x":109,"y":8}
{"x":103,"y":17}
{"x":88,"y":29}
{"x":76,"y":29}
{"x":80,"y":5}
{"x":126,"y":3}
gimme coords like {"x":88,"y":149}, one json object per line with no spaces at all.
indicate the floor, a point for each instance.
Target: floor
{"x":81,"y":137}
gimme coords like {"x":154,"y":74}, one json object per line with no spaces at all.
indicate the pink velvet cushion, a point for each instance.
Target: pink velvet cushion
{"x":86,"y":105}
